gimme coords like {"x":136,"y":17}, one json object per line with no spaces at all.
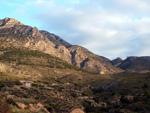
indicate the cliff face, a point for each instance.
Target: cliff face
{"x":25,"y":36}
{"x":19,"y":35}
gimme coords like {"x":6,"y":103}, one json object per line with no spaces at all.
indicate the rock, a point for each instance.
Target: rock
{"x":37,"y":107}
{"x":10,"y":96}
{"x":77,"y":111}
{"x":35,"y":32}
{"x":9,"y":22}
{"x":21,"y":105}
{"x":4,"y":67}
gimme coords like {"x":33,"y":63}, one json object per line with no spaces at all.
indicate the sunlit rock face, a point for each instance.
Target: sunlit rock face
{"x":9,"y":22}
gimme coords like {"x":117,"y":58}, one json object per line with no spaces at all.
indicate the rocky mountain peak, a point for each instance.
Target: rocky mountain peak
{"x":35,"y":31}
{"x":9,"y":22}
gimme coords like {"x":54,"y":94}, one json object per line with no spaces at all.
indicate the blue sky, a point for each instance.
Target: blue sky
{"x":110,"y":28}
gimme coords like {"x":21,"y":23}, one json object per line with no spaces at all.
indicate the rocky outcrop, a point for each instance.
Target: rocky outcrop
{"x":9,"y":22}
{"x":5,"y":68}
{"x":85,"y":59}
{"x":37,"y":108}
{"x":55,"y":39}
{"x":136,"y":64}
{"x":50,"y":48}
{"x":77,"y":111}
{"x":34,"y":108}
{"x":20,"y":35}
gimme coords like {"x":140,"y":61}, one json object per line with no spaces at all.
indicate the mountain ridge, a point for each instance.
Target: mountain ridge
{"x":21,"y":35}
{"x":136,"y":64}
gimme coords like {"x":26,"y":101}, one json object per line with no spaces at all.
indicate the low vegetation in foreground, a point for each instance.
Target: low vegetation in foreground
{"x":119,"y":93}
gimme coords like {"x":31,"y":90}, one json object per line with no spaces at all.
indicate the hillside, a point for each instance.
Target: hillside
{"x":136,"y":64}
{"x":15,"y":33}
{"x":119,"y":93}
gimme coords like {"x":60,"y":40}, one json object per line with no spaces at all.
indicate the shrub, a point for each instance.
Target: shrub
{"x":91,"y":109}
{"x":74,"y":95}
{"x":123,"y":99}
{"x":2,"y":84}
{"x":145,"y":86}
{"x":15,"y":109}
{"x":96,"y":99}
{"x":4,"y":107}
{"x":17,"y":82}
{"x":136,"y":99}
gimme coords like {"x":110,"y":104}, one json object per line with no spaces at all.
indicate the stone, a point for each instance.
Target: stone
{"x":21,"y":105}
{"x":77,"y":111}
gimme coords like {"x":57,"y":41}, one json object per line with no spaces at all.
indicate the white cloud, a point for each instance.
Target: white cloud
{"x":109,"y":28}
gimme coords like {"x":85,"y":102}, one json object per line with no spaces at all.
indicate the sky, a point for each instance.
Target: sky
{"x":110,"y":28}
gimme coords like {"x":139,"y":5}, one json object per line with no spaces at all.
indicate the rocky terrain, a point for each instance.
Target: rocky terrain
{"x":20,"y":35}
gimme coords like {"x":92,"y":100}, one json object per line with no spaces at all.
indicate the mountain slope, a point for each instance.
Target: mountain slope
{"x":19,"y":35}
{"x":117,"y":61}
{"x":55,"y":39}
{"x":136,"y":64}
{"x":81,"y":57}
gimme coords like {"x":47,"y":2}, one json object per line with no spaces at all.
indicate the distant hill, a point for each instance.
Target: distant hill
{"x":134,"y":64}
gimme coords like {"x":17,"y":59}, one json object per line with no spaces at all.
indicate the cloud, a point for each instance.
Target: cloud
{"x":109,"y":28}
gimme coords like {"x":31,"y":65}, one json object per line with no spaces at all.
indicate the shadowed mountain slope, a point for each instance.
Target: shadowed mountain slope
{"x":136,"y":64}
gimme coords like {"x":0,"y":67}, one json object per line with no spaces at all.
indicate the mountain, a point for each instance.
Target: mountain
{"x":117,"y":61}
{"x":29,"y":56}
{"x":136,"y":64}
{"x":19,"y":36}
